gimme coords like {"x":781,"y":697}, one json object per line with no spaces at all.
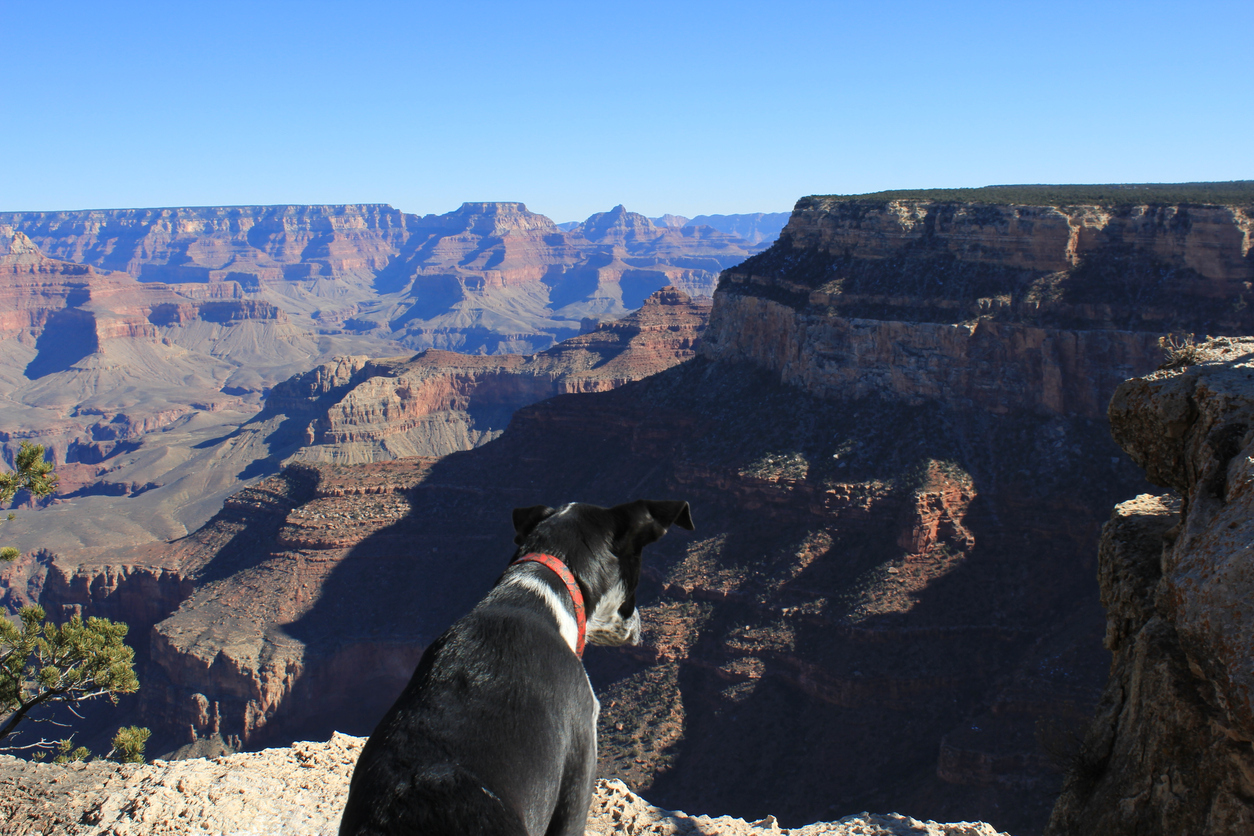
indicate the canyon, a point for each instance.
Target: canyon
{"x":439,"y":402}
{"x":893,"y":434}
{"x":139,"y":343}
{"x":484,"y":278}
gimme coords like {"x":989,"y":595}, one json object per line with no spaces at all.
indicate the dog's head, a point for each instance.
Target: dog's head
{"x":602,"y":547}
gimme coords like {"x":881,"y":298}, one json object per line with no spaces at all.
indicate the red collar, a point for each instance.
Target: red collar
{"x":576,"y":596}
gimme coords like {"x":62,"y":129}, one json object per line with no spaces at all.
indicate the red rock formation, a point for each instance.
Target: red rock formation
{"x":74,"y":334}
{"x":243,"y":243}
{"x":1001,"y":307}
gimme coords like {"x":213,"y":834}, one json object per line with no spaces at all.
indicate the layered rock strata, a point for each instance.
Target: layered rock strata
{"x":997,"y":307}
{"x":125,"y":383}
{"x":438,"y":402}
{"x":92,"y":356}
{"x":487,"y":277}
{"x":1172,"y":747}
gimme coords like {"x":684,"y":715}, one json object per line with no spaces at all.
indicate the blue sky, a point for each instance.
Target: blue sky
{"x":573,"y":107}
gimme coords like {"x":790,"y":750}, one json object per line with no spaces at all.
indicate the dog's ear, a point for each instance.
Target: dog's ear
{"x":645,"y":521}
{"x":526,"y":519}
{"x":670,"y":513}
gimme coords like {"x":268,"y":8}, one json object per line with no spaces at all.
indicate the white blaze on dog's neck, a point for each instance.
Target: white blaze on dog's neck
{"x":566,"y":624}
{"x":606,"y":622}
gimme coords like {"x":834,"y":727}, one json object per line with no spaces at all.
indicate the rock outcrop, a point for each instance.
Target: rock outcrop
{"x":301,"y":789}
{"x":997,"y":307}
{"x":1170,"y":750}
{"x":439,"y":402}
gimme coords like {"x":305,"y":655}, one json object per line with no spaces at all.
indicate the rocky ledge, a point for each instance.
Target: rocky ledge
{"x":301,"y":789}
{"x":1170,"y":750}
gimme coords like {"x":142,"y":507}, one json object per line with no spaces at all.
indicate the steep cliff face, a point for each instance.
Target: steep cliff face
{"x":1170,"y":749}
{"x":999,"y":307}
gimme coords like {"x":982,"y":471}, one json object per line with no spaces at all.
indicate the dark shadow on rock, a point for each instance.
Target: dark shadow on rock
{"x":251,"y":520}
{"x":68,"y":337}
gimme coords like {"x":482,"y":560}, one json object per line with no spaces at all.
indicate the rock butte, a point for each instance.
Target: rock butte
{"x":893,"y":438}
{"x":439,"y":402}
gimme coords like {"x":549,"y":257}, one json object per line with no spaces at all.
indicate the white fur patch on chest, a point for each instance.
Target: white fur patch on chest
{"x":566,"y":624}
{"x":607,"y":626}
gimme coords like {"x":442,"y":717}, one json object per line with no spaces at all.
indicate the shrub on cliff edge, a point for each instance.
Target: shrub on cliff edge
{"x":44,"y":664}
{"x":30,"y":473}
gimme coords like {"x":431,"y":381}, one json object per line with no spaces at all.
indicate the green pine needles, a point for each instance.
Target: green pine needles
{"x":30,"y":473}
{"x":43,"y":665}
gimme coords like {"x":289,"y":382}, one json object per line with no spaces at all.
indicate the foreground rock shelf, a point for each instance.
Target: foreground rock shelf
{"x":301,"y":790}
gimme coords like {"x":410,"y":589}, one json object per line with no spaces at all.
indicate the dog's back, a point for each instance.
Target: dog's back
{"x":439,"y":761}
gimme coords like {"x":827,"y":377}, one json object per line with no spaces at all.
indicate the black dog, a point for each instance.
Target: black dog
{"x":496,"y":731}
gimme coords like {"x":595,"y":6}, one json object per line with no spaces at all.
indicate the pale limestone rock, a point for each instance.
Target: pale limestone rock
{"x":300,"y":791}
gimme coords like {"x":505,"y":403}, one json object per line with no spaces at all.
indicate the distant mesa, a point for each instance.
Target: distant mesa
{"x":672,"y":221}
{"x":759,"y":228}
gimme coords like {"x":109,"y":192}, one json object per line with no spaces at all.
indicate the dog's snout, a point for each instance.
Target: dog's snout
{"x":616,"y":630}
{"x":633,"y":629}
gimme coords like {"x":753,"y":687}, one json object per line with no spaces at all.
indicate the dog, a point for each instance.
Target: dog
{"x":496,"y":731}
